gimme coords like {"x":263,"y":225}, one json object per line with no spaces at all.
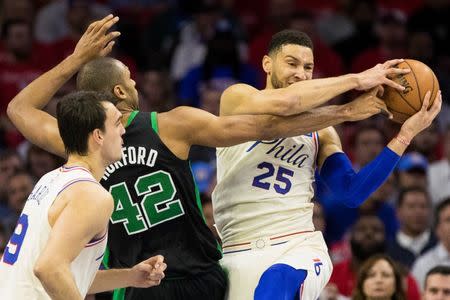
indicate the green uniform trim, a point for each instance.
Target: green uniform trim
{"x":119,"y":294}
{"x":154,"y":120}
{"x":105,"y":261}
{"x":199,"y":205}
{"x":131,"y":117}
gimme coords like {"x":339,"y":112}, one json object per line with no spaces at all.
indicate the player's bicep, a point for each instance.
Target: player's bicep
{"x":329,"y":143}
{"x":82,"y":219}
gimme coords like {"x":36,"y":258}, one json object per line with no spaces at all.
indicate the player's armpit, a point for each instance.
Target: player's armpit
{"x":329,"y":143}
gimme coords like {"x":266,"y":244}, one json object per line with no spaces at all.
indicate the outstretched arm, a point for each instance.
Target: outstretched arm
{"x":304,"y":95}
{"x":186,"y":126}
{"x":25,"y":109}
{"x":146,"y":274}
{"x":353,"y":188}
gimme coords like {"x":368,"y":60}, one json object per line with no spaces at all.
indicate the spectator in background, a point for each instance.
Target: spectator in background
{"x":21,"y":61}
{"x":39,"y":162}
{"x":10,"y":163}
{"x":368,"y":141}
{"x":414,"y":210}
{"x":433,"y":17}
{"x":427,"y":142}
{"x":190,"y":50}
{"x":52,"y":21}
{"x":210,"y":102}
{"x":327,"y":63}
{"x":391,"y":31}
{"x":367,"y":238}
{"x":363,"y":14}
{"x":439,"y":173}
{"x":78,"y":16}
{"x":440,"y":254}
{"x":437,"y":284}
{"x":157,"y":92}
{"x":16,"y":9}
{"x":379,"y":278}
{"x":278,"y":14}
{"x":19,"y":187}
{"x":222,"y":67}
{"x":340,"y":218}
{"x":412,"y":171}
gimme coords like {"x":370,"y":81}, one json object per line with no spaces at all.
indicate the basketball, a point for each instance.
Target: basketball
{"x":403,"y":104}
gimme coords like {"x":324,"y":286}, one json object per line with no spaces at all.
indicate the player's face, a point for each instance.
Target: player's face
{"x":292,"y":63}
{"x":437,"y":287}
{"x":112,"y":146}
{"x":380,"y":281}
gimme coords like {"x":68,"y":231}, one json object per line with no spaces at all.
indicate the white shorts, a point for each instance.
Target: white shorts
{"x":246,"y":262}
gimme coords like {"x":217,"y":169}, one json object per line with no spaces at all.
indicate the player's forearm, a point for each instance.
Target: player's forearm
{"x":307,"y":122}
{"x":308,"y":94}
{"x":58,"y":282}
{"x":107,"y":280}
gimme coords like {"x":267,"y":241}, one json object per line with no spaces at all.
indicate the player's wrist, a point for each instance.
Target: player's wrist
{"x":404,"y":137}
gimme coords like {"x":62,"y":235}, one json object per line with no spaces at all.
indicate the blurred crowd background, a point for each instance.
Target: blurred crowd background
{"x":187,"y":52}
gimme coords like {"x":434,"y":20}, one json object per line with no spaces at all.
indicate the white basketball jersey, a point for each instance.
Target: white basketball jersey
{"x":17,"y":280}
{"x":264,"y":188}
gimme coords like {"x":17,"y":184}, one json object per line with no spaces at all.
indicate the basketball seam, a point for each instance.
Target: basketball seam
{"x":399,"y":112}
{"x":406,"y":101}
{"x":432,"y":89}
{"x":418,"y":88}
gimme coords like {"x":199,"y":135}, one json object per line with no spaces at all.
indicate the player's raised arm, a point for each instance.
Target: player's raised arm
{"x":25,"y":109}
{"x":303,"y":95}
{"x":84,"y":217}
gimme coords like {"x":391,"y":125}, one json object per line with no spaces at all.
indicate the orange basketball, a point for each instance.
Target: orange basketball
{"x":420,"y":80}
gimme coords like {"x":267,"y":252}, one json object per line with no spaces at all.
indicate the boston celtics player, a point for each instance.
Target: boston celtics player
{"x":157,"y":208}
{"x":262,"y":201}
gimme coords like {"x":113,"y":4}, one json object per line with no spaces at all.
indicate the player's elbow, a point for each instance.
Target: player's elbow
{"x":40,"y":270}
{"x":12,"y":109}
{"x":43,"y":268}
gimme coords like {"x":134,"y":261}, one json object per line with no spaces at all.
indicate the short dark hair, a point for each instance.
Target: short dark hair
{"x":78,"y":114}
{"x":403,"y":192}
{"x":289,"y":37}
{"x":441,"y":270}
{"x":439,"y":208}
{"x":100,"y":75}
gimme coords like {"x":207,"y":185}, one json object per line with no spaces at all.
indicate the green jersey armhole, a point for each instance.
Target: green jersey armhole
{"x":154,"y":120}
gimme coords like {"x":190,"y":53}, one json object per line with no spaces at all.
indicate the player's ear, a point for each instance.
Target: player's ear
{"x":119,"y":92}
{"x":267,"y":64}
{"x":97,"y":135}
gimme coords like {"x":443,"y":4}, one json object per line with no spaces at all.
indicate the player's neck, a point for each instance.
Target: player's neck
{"x":93,"y":164}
